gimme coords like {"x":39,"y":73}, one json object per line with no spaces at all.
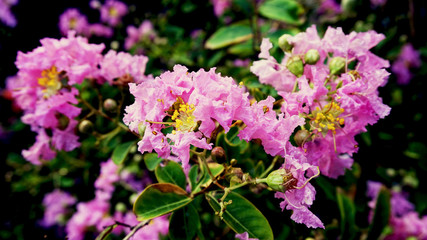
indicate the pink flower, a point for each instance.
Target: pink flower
{"x":112,"y":12}
{"x":108,"y":176}
{"x":220,"y":6}
{"x":274,"y":131}
{"x":188,"y":100}
{"x":407,"y":59}
{"x":56,"y":206}
{"x":117,"y":65}
{"x":99,"y":30}
{"x":41,"y":149}
{"x":135,"y":35}
{"x":72,"y":19}
{"x":300,"y":194}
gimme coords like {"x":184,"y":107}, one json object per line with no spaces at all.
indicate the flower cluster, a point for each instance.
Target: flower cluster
{"x":45,"y":88}
{"x":112,"y":12}
{"x":326,"y":104}
{"x":179,"y":109}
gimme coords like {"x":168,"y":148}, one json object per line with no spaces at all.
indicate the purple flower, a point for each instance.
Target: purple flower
{"x":244,"y":236}
{"x":108,"y":176}
{"x":112,"y":12}
{"x":56,"y":206}
{"x":6,"y":15}
{"x":407,"y":59}
{"x":41,"y":149}
{"x":72,"y":19}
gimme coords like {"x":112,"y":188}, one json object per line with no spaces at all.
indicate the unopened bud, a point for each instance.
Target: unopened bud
{"x":337,"y":65}
{"x":141,"y":129}
{"x":301,"y":137}
{"x":86,"y":126}
{"x":110,"y":105}
{"x":295,"y":66}
{"x":121,"y":207}
{"x":284,"y":43}
{"x":218,"y":154}
{"x":276,"y":180}
{"x":311,"y":56}
{"x":233,"y":162}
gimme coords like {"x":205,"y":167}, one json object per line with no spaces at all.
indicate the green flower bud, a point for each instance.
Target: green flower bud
{"x":276,"y":180}
{"x":301,"y":137}
{"x":284,"y":44}
{"x":141,"y":129}
{"x":295,"y":66}
{"x":121,"y":207}
{"x":337,"y":65}
{"x":311,"y":56}
{"x":86,"y":126}
{"x":110,"y":105}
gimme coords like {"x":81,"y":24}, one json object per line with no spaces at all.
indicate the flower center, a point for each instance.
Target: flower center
{"x":113,"y":12}
{"x":327,"y":118}
{"x":184,"y":118}
{"x":50,"y":82}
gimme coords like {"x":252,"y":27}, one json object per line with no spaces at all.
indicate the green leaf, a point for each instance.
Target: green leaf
{"x":104,"y":234}
{"x":348,"y":216}
{"x":120,"y":152}
{"x":216,"y":169}
{"x":184,"y":223}
{"x":229,"y":35}
{"x":242,"y":216}
{"x":192,"y":175}
{"x":171,"y":173}
{"x":152,"y":160}
{"x":381,"y":214}
{"x":287,"y":11}
{"x":159,"y":199}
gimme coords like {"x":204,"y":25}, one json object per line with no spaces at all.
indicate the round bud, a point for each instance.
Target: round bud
{"x":110,"y":105}
{"x":86,"y":126}
{"x":301,"y":137}
{"x":311,"y":56}
{"x":218,"y":154}
{"x":121,"y":207}
{"x":276,"y":180}
{"x":337,"y":65}
{"x":295,"y":66}
{"x":284,"y":43}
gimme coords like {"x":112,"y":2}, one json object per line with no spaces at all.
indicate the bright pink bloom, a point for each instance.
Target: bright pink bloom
{"x":188,"y":99}
{"x":407,"y":59}
{"x":112,"y":12}
{"x":56,"y":206}
{"x":116,"y":65}
{"x":108,"y":176}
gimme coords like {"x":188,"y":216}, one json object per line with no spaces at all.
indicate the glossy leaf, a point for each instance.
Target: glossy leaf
{"x":381,"y":214}
{"x":216,"y":169}
{"x":152,"y":160}
{"x":120,"y":152}
{"x":171,"y":173}
{"x":159,"y":199}
{"x":229,"y":35}
{"x":242,"y":216}
{"x":287,"y":11}
{"x":184,"y":223}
